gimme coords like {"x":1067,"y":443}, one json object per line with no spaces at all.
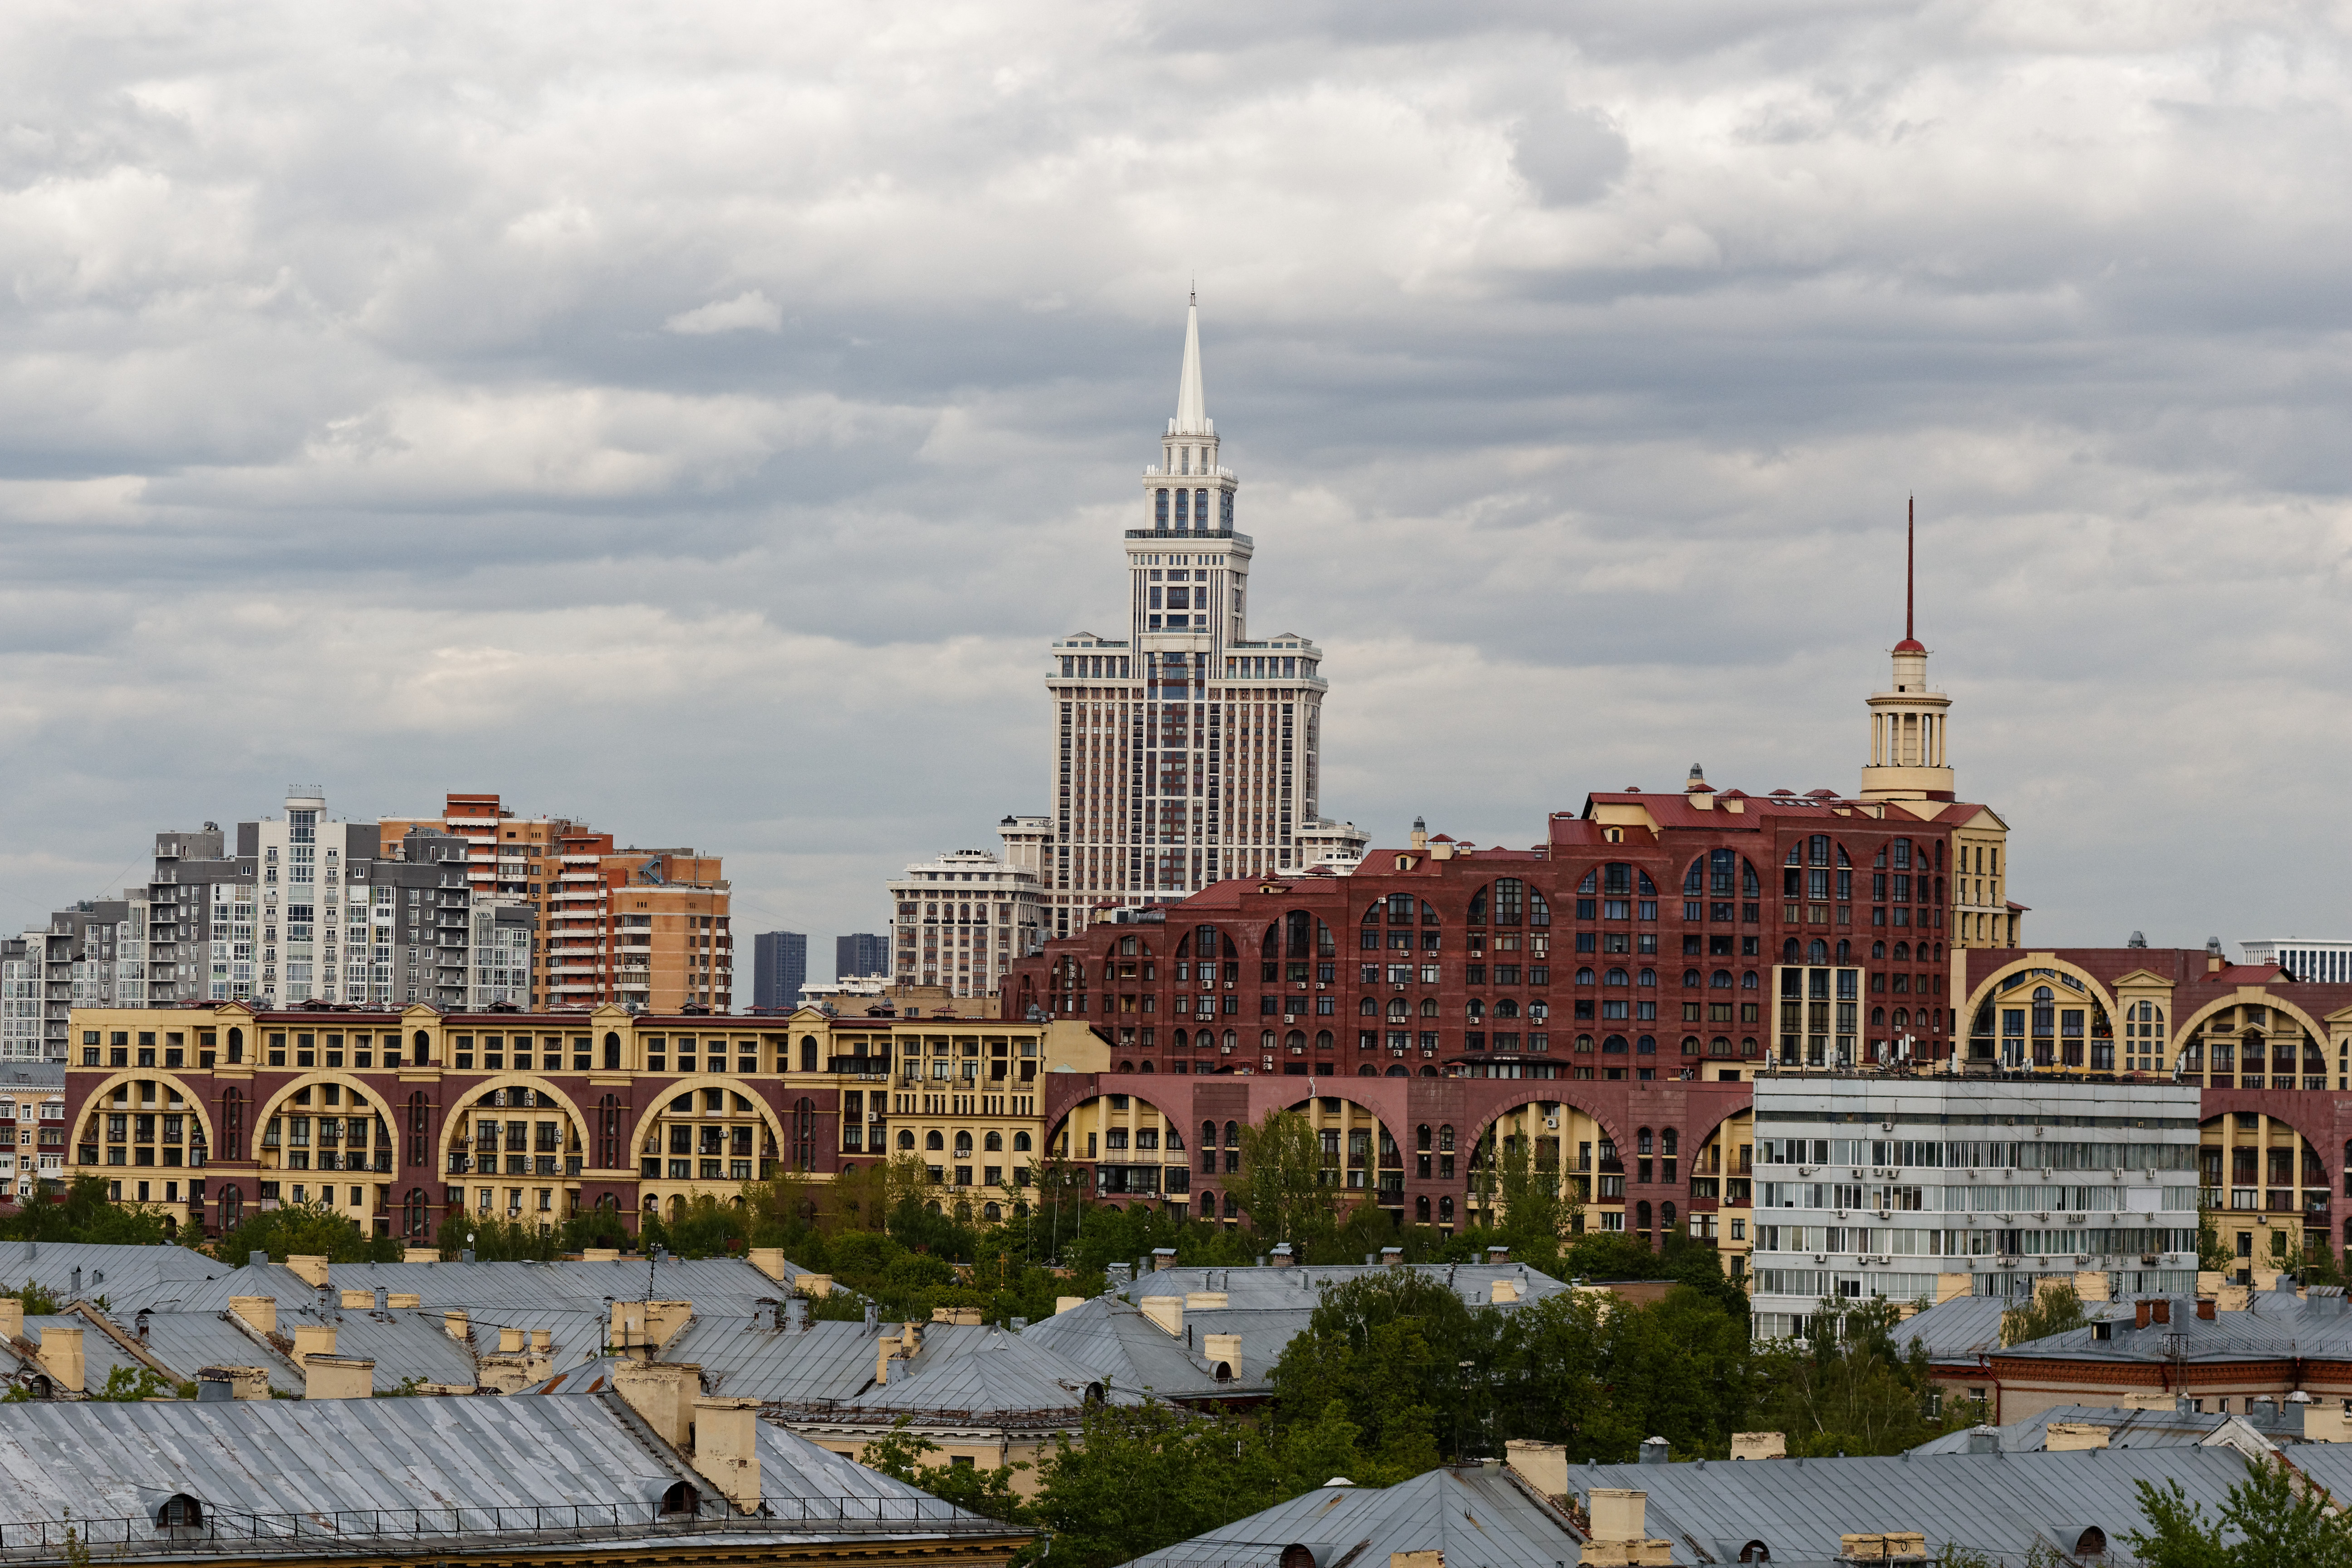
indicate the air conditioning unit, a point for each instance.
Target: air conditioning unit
{"x":1885,"y":1214}
{"x":1290,"y":1017}
{"x":1857,"y":1173}
{"x":1821,"y":1257}
{"x":1887,"y":1126}
{"x":1552,"y":1121}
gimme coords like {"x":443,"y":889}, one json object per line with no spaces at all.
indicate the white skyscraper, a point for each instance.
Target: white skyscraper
{"x":1186,"y":752}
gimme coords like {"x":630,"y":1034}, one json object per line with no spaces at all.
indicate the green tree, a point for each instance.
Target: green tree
{"x":2053,"y":1310}
{"x":296,"y":1229}
{"x":494,"y":1240}
{"x":1847,"y":1389}
{"x":2276,"y":1518}
{"x":2210,"y":1253}
{"x":989,"y":1492}
{"x":1388,"y":1349}
{"x":85,"y":1214}
{"x":1283,"y":1184}
{"x":128,"y":1385}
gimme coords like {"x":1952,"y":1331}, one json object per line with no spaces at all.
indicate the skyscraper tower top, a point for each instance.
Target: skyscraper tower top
{"x":1907,"y":759}
{"x":1186,"y":751}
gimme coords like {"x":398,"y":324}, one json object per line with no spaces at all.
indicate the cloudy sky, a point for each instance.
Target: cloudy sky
{"x":696,"y":419}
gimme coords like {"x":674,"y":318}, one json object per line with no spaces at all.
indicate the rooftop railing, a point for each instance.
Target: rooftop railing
{"x":369,"y":1531}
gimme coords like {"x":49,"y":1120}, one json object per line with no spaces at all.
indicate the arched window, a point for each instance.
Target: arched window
{"x":1429,"y":1006}
{"x":1720,"y":980}
{"x":907,"y":1141}
{"x":420,"y":1130}
{"x":1368,"y":1008}
{"x":1507,"y":1007}
{"x":1616,"y":977}
{"x":1646,"y":977}
{"x":232,"y":1207}
{"x":1538,"y":912}
{"x":233,"y":1124}
{"x":1584,"y":977}
{"x":1642,"y":1218}
{"x":1791,"y":953}
{"x":1323,"y":1039}
{"x":1476,"y":1010}
{"x":1208,"y":1135}
{"x":1666,"y":1216}
{"x":1748,"y":980}
{"x":612,"y":1051}
{"x":1233,"y":1135}
{"x":1445,"y":1209}
{"x":1510,"y":900}
{"x":963,"y":1146}
{"x":1478,"y":913}
{"x":1691,"y":980}
{"x":1817,"y":951}
{"x":808,"y":1053}
{"x":1399,"y":1010}
{"x":1902,"y":952}
{"x":1845,"y":951}
{"x":1690,"y":1045}
{"x":1421,"y":1208}
{"x":1021,"y":1142}
{"x":1613,"y":1045}
{"x":1878,"y":950}
{"x":934,"y":1141}
{"x":236,"y":1045}
{"x":1819,"y":849}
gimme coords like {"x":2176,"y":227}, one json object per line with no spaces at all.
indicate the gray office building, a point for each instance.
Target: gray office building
{"x":779,"y":968}
{"x":862,"y":953}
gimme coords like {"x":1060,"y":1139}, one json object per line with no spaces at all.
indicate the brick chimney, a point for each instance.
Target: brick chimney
{"x":727,"y":1448}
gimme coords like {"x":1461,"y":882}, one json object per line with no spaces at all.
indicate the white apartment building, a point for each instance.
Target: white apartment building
{"x":2310,"y":961}
{"x":958,"y":921}
{"x":1186,"y":752}
{"x":1924,"y":1188}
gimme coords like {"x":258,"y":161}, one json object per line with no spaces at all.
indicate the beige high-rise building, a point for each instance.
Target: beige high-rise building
{"x":958,"y":921}
{"x":1186,"y":752}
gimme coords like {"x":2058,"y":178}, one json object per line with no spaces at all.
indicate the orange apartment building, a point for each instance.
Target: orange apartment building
{"x":644,"y":928}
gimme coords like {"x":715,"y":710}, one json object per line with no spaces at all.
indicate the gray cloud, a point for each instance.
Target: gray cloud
{"x":695,"y":420}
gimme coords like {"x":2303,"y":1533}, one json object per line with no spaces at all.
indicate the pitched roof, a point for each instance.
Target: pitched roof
{"x":2003,"y":1505}
{"x":128,"y":1278}
{"x":1474,"y":1515}
{"x":2168,"y":1428}
{"x":389,"y":1463}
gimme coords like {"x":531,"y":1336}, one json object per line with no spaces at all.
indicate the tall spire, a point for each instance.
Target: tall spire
{"x":1910,"y":643}
{"x":1192,"y":402}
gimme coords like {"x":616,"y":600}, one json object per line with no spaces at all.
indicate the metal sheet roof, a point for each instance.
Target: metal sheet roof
{"x":393,"y":1463}
{"x":2130,"y":1429}
{"x":1478,"y":1518}
{"x":1000,"y":1376}
{"x":715,"y":1284}
{"x":128,"y":1278}
{"x":2001,"y":1504}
